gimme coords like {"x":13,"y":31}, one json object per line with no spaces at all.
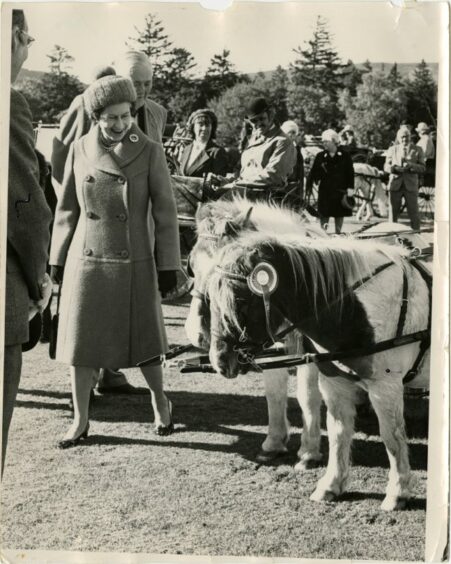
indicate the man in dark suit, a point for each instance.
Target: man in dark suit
{"x":27,"y":283}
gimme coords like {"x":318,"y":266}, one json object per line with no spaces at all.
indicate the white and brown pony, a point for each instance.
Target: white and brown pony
{"x":217,"y":224}
{"x":344,"y":295}
{"x":368,"y":184}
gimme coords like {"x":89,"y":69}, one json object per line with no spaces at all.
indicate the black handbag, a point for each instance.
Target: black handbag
{"x":54,"y":327}
{"x":34,"y":332}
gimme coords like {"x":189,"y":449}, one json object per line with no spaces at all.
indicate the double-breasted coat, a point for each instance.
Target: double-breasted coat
{"x":212,"y":159}
{"x":110,"y":311}
{"x":334,"y":176}
{"x":396,"y":157}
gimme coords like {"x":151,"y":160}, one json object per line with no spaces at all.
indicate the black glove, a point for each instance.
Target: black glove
{"x":167,"y":281}
{"x":56,"y":274}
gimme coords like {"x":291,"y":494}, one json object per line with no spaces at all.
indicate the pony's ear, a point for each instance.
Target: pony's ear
{"x":247,"y":219}
{"x":230,"y":228}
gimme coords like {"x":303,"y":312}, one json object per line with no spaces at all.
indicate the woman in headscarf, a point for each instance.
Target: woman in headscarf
{"x":333,"y":171}
{"x":110,"y":312}
{"x":203,"y":155}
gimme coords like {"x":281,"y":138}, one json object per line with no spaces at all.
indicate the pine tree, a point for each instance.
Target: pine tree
{"x":154,"y":42}
{"x":351,"y":77}
{"x":394,"y":76}
{"x":220,"y":74}
{"x":318,"y":64}
{"x":60,"y":60}
{"x":421,"y":93}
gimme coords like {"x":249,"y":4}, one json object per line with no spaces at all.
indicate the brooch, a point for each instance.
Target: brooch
{"x":134,"y":138}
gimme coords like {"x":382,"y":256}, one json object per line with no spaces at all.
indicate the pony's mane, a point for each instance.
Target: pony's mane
{"x":272,"y":218}
{"x":325,"y":267}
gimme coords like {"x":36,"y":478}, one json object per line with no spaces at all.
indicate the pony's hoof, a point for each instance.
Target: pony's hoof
{"x":308,"y":464}
{"x":268,"y":456}
{"x":323,"y":495}
{"x":392,"y":503}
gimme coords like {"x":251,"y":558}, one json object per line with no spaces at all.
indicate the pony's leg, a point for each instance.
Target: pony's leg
{"x":309,"y":399}
{"x":339,"y":396}
{"x":276,"y":382}
{"x":387,"y":399}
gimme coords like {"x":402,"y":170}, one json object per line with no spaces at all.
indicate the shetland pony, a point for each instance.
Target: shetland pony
{"x":367,"y":181}
{"x":343,"y":295}
{"x":217,"y":224}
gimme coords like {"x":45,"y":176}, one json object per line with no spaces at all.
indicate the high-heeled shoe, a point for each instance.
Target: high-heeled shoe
{"x":165,"y":430}
{"x":69,"y":443}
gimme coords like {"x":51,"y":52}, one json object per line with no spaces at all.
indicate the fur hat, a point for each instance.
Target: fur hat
{"x":107,"y":91}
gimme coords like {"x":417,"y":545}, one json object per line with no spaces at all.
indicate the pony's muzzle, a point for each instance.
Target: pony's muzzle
{"x":224,"y":359}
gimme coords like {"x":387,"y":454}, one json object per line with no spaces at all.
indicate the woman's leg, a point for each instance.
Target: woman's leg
{"x":160,"y":403}
{"x":83,"y":379}
{"x":338,"y":224}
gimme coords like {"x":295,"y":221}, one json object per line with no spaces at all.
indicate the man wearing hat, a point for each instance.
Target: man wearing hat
{"x":425,"y":142}
{"x":27,"y":284}
{"x":269,"y":156}
{"x":347,"y":139}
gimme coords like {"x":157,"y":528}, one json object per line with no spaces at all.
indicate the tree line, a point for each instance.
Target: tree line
{"x":318,"y":90}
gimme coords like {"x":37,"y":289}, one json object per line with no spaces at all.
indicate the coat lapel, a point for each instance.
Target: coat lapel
{"x":130,"y":147}
{"x":184,"y":159}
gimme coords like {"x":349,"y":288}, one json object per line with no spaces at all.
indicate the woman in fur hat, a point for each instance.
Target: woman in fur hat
{"x":110,"y":313}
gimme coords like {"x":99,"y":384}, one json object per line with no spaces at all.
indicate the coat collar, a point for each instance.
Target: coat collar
{"x":275,"y":131}
{"x":122,"y":155}
{"x":200,"y":160}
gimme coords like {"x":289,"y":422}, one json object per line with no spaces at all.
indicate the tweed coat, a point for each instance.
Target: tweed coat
{"x":395,"y":157}
{"x":110,"y":311}
{"x":29,"y":218}
{"x":334,"y":176}
{"x":212,"y":159}
{"x":268,"y":160}
{"x":76,"y":123}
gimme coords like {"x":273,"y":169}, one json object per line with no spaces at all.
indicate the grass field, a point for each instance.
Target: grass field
{"x":198,"y":491}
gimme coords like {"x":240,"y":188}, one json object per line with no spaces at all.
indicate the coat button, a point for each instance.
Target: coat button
{"x":89,"y":178}
{"x":121,"y":180}
{"x":122,"y":217}
{"x":124,"y":254}
{"x":90,"y":215}
{"x":87,"y":252}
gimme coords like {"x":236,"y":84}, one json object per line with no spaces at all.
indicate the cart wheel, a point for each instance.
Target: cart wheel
{"x":311,"y":196}
{"x":426,"y":201}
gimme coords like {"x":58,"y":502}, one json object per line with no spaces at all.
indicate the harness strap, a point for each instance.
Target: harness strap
{"x":376,"y":271}
{"x":267,"y":304}
{"x":404,"y":302}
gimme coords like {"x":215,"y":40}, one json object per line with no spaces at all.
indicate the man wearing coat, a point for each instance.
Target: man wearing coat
{"x":404,"y":162}
{"x":150,"y":118}
{"x":269,"y":156}
{"x":28,"y":231}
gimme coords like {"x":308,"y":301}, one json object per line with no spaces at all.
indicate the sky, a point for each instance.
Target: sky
{"x":260,"y":35}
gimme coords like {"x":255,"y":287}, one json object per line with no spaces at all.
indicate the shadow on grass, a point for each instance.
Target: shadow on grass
{"x":414,"y":504}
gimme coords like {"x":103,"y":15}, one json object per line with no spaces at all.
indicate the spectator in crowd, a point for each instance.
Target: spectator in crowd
{"x":425,"y":141}
{"x":28,"y":235}
{"x":333,"y":171}
{"x":150,"y":116}
{"x":404,"y":162}
{"x":268,"y":157}
{"x":347,"y":138}
{"x":101,"y":251}
{"x":203,"y":155}
{"x":291,"y":130}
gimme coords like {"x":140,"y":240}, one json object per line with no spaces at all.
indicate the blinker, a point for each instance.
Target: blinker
{"x":263,"y":280}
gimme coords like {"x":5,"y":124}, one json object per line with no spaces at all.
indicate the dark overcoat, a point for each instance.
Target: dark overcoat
{"x":110,"y":312}
{"x":213,"y":159}
{"x":334,"y":175}
{"x":28,"y":224}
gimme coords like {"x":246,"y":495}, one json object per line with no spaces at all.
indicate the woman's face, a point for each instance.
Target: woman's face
{"x":202,"y":129}
{"x":329,"y":145}
{"x":115,"y":121}
{"x":141,"y":76}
